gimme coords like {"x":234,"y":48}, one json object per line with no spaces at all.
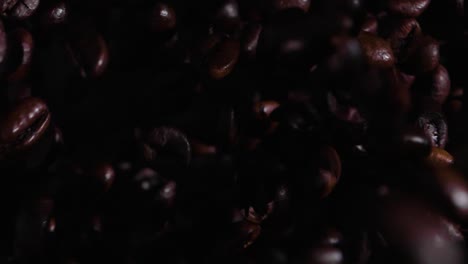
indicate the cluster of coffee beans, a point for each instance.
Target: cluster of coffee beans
{"x":233,"y":132}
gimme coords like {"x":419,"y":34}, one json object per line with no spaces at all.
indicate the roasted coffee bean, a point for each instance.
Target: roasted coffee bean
{"x":408,"y":8}
{"x":223,"y":59}
{"x":377,"y":51}
{"x":24,"y":125}
{"x":435,"y":128}
{"x":103,"y":176}
{"x":6,"y":5}
{"x":422,"y":56}
{"x":55,"y":14}
{"x":163,"y":18}
{"x":227,"y":16}
{"x":370,"y":24}
{"x":325,"y":255}
{"x":439,"y":158}
{"x":453,"y":188}
{"x":415,"y":143}
{"x":89,"y":53}
{"x":22,"y":9}
{"x":401,"y":33}
{"x":434,"y":85}
{"x":331,"y":161}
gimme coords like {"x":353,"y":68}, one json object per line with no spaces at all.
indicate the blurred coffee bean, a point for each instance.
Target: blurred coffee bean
{"x":223,"y":59}
{"x":439,"y":158}
{"x":409,"y":8}
{"x":422,"y":56}
{"x":377,"y":51}
{"x":163,"y":18}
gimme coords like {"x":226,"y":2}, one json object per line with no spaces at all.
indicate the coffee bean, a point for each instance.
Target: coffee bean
{"x":408,"y":8}
{"x":163,"y":18}
{"x":24,"y":125}
{"x":453,"y":188}
{"x":439,"y":158}
{"x":325,"y":255}
{"x":55,"y":14}
{"x":401,"y":33}
{"x":370,"y":24}
{"x":223,"y":59}
{"x":89,"y":52}
{"x":435,"y":85}
{"x":376,"y":51}
{"x":422,"y":56}
{"x":435,"y":128}
{"x":23,"y":9}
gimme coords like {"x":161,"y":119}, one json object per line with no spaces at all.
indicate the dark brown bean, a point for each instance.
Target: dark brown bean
{"x":453,"y":188}
{"x":24,"y":125}
{"x":370,"y":24}
{"x":376,"y":50}
{"x":408,"y":8}
{"x":439,"y":158}
{"x":223,"y":58}
{"x":434,"y":85}
{"x":325,"y":255}
{"x":421,"y":56}
{"x":23,"y":9}
{"x":162,"y":18}
{"x":401,"y":33}
{"x":89,"y":52}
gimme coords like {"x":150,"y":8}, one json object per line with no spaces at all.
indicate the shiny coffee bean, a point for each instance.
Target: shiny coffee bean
{"x":407,"y":8}
{"x":401,"y":33}
{"x":162,"y":18}
{"x":422,"y":56}
{"x":103,"y":176}
{"x":370,"y":24}
{"x":439,"y":158}
{"x":453,"y":188}
{"x":435,"y":128}
{"x":24,"y":125}
{"x":415,"y":143}
{"x":88,"y":51}
{"x":223,"y":59}
{"x":55,"y":14}
{"x":227,"y":16}
{"x":21,"y":50}
{"x":330,"y":161}
{"x":376,"y":50}
{"x":415,"y":234}
{"x":331,"y":237}
{"x":325,"y":255}
{"x":23,"y":9}
{"x":6,"y":5}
